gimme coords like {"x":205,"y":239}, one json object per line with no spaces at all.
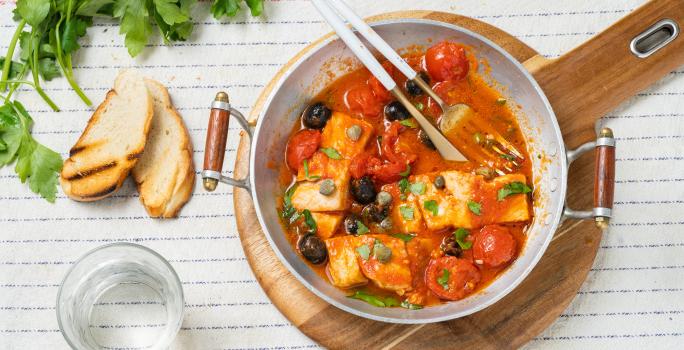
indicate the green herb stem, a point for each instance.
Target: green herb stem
{"x":34,"y":72}
{"x":10,"y":54}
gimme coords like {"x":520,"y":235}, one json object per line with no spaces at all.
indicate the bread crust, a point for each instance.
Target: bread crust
{"x":161,"y":196}
{"x":85,"y":180}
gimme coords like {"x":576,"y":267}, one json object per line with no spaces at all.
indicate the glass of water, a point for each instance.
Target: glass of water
{"x":120,"y":295}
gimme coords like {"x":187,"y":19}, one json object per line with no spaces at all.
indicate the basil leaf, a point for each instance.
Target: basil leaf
{"x":406,"y":305}
{"x":460,"y":236}
{"x":362,"y":229}
{"x":364,"y":251}
{"x":417,"y":188}
{"x":331,"y":153}
{"x":432,"y":206}
{"x":475,"y":207}
{"x":516,"y":187}
{"x":406,"y":212}
{"x":309,"y":220}
{"x":406,"y":237}
{"x":443,"y":280}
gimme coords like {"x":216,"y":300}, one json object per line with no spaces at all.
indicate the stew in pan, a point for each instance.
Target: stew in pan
{"x":374,"y":209}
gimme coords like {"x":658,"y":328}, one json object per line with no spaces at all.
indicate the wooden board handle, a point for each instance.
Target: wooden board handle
{"x":594,"y":78}
{"x":604,"y":179}
{"x":215,"y":145}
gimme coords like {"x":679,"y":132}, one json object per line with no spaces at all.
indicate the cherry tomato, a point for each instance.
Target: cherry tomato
{"x":446,"y":61}
{"x":361,"y":99}
{"x":361,"y":163}
{"x":494,"y":246}
{"x":382,"y":94}
{"x":301,"y":145}
{"x":459,"y":276}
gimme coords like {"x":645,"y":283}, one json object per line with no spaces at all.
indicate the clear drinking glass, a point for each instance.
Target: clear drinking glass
{"x":120,"y":295}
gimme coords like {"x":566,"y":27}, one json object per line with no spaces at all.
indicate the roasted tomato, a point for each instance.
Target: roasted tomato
{"x":361,"y":99}
{"x":494,"y":246}
{"x":446,"y":61}
{"x":452,"y":278}
{"x":301,"y":146}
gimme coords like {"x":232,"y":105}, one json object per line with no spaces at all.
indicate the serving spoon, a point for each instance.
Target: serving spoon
{"x":445,"y":148}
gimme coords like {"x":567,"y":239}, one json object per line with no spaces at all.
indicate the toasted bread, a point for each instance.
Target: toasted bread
{"x":165,"y":174}
{"x":112,"y":141}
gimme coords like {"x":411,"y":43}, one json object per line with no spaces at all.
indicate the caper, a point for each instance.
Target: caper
{"x":439,"y":182}
{"x":327,"y":187}
{"x":384,"y":198}
{"x":425,"y":139}
{"x":313,"y":249}
{"x":386,"y":223}
{"x":354,"y":132}
{"x":382,"y":252}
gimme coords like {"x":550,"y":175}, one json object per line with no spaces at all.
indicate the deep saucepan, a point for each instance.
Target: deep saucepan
{"x":536,"y":118}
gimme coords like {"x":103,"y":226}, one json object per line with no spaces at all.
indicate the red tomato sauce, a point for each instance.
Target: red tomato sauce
{"x":360,"y":95}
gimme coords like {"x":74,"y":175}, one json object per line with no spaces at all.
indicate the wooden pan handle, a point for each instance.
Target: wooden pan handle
{"x":215,"y":146}
{"x":594,"y":78}
{"x":604,"y":179}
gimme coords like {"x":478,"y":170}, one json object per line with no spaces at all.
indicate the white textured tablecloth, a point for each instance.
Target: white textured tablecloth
{"x":633,"y":298}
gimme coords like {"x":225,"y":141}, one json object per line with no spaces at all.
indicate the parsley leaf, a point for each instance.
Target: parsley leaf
{"x":406,"y":212}
{"x":432,"y":206}
{"x":331,"y":153}
{"x":406,"y":305}
{"x":361,"y":228}
{"x":403,"y":185}
{"x":364,"y":251}
{"x":230,"y":8}
{"x":406,"y":172}
{"x":73,"y":29}
{"x":516,"y":187}
{"x":14,"y":70}
{"x":475,"y":207}
{"x":35,"y":163}
{"x":404,"y":236}
{"x":135,"y":24}
{"x":460,"y":235}
{"x":409,"y":123}
{"x":288,"y":209}
{"x":443,"y":280}
{"x":417,"y":188}
{"x":48,"y":68}
{"x":309,"y":220}
{"x":374,"y":299}
{"x":33,"y":11}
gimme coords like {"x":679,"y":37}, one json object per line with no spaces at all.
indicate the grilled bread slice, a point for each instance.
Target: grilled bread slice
{"x":165,"y":173}
{"x":112,"y":141}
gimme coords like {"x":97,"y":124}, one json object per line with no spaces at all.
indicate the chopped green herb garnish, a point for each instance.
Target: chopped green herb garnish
{"x":417,"y":188}
{"x":403,"y":197}
{"x":475,"y":207}
{"x":420,"y":106}
{"x":516,"y":187}
{"x":374,"y":299}
{"x":406,"y":172}
{"x":432,"y":206}
{"x":406,"y":212}
{"x":508,"y":156}
{"x":361,"y":228}
{"x":443,"y":280}
{"x":309,"y":220}
{"x":288,"y":209}
{"x":404,"y":236}
{"x":403,"y":185}
{"x":364,"y":251}
{"x":331,"y":153}
{"x":406,"y":305}
{"x":460,"y":236}
{"x":306,"y":168}
{"x":408,"y":123}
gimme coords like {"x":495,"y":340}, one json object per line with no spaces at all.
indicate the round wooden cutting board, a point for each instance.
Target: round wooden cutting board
{"x":510,"y":323}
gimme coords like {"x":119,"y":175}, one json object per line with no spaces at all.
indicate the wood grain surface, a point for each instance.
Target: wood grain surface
{"x":521,"y":315}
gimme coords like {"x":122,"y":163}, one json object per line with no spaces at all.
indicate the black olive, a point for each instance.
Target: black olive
{"x":396,"y":111}
{"x":316,"y":116}
{"x":313,"y":249}
{"x":425,"y":139}
{"x":413,"y":89}
{"x":374,"y":212}
{"x":351,"y":224}
{"x":451,"y":247}
{"x":363,"y":190}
